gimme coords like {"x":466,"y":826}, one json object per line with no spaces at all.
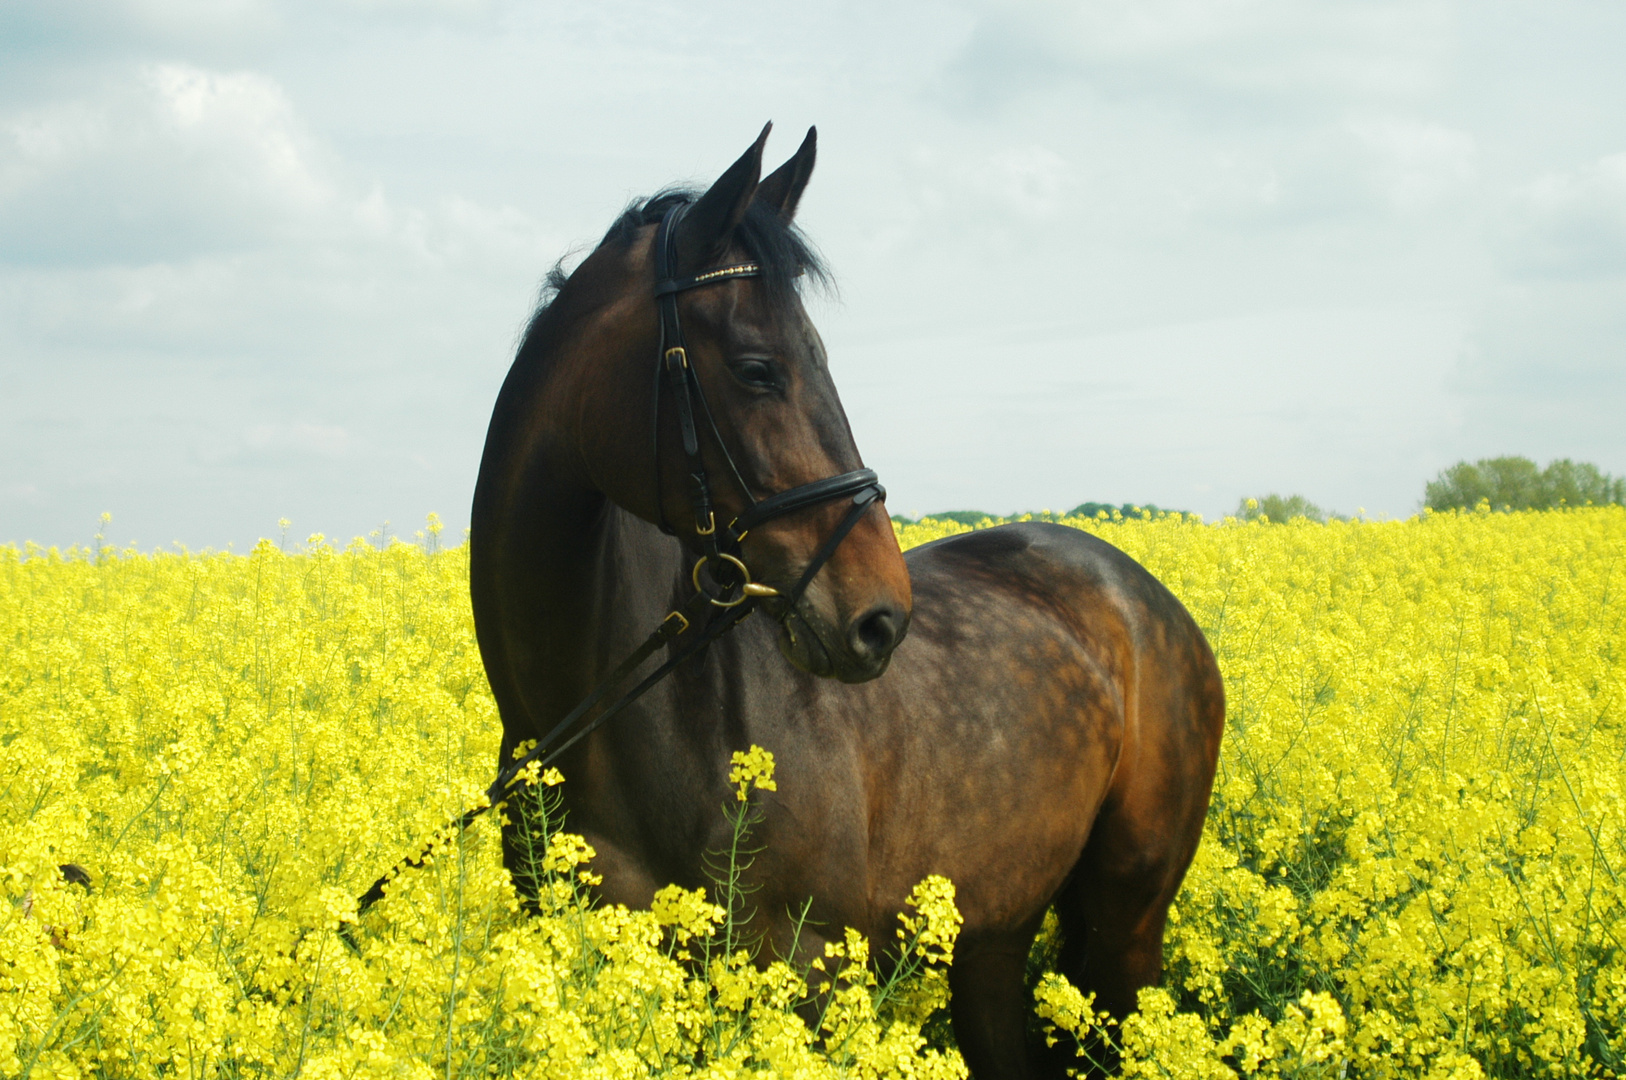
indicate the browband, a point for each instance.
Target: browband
{"x":670,"y":286}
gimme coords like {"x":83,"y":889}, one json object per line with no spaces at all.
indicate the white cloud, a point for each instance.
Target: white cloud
{"x":244,"y":122}
{"x":1414,"y":163}
{"x":322,"y":440}
{"x":1201,"y":51}
{"x":1572,"y":223}
{"x":1030,"y":180}
{"x":204,"y":305}
{"x":187,"y":208}
{"x":1172,"y":414}
{"x":170,"y":162}
{"x":440,"y":7}
{"x":190,"y":16}
{"x":176,"y":163}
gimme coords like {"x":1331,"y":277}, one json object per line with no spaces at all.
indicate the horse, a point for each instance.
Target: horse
{"x":1024,"y":709}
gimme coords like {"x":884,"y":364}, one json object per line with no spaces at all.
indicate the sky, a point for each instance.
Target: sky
{"x":271,"y":260}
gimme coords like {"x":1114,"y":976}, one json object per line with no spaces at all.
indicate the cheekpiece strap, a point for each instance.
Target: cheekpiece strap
{"x":681,"y":380}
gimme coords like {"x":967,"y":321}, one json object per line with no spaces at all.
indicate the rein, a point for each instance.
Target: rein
{"x":721,"y":547}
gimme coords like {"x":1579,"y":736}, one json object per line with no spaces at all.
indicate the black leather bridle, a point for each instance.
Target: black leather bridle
{"x":683,"y":387}
{"x":727,"y":585}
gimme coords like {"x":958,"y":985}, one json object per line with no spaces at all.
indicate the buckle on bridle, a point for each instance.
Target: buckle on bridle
{"x":748,"y":588}
{"x":676,"y":356}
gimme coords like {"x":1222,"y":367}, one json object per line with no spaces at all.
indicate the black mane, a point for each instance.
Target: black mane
{"x":784,"y":254}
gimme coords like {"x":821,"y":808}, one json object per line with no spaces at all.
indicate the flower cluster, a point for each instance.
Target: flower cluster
{"x":752,"y":768}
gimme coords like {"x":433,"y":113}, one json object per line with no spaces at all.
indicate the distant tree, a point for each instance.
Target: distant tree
{"x":1516,"y":483}
{"x":1089,"y":509}
{"x":1128,"y":510}
{"x":1279,"y":508}
{"x":964,"y":517}
{"x":1577,"y":483}
{"x":1505,"y":482}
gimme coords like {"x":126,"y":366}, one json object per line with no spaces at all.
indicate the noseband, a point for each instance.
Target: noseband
{"x":682,"y":385}
{"x":729,"y":587}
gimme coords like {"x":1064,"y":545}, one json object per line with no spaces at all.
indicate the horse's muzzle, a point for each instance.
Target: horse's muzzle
{"x":859,"y":653}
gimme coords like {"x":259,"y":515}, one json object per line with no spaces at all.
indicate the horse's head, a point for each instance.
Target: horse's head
{"x":765,"y":415}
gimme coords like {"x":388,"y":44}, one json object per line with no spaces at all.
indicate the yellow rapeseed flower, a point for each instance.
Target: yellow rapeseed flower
{"x":1412,"y":865}
{"x":752,"y":768}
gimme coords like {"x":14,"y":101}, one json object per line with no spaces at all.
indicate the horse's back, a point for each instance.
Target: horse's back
{"x":1066,"y":570}
{"x":1122,"y":616}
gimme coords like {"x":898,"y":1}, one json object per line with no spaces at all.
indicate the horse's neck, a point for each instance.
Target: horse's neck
{"x":565,"y":583}
{"x":681,"y":724}
{"x":614,"y":574}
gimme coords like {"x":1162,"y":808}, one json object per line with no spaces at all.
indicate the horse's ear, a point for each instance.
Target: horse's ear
{"x":704,"y":233}
{"x":782,"y":189}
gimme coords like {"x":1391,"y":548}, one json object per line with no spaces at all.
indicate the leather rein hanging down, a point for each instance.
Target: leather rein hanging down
{"x":729,"y":588}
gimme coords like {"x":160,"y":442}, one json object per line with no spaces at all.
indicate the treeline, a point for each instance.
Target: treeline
{"x":1088,"y":509}
{"x":1501,"y":483}
{"x":1517,"y":483}
{"x":1280,"y":508}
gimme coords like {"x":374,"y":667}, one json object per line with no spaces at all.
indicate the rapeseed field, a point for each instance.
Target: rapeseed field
{"x":1412,"y":866}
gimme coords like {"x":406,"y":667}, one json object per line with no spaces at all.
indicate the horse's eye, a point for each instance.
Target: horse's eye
{"x":755,"y":373}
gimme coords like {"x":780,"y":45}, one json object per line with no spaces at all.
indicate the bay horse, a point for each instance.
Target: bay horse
{"x":1046,"y":734}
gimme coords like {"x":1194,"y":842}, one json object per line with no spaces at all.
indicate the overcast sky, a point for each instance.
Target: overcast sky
{"x":264,"y":260}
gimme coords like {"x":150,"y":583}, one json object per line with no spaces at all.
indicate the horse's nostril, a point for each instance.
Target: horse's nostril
{"x":877,"y":634}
